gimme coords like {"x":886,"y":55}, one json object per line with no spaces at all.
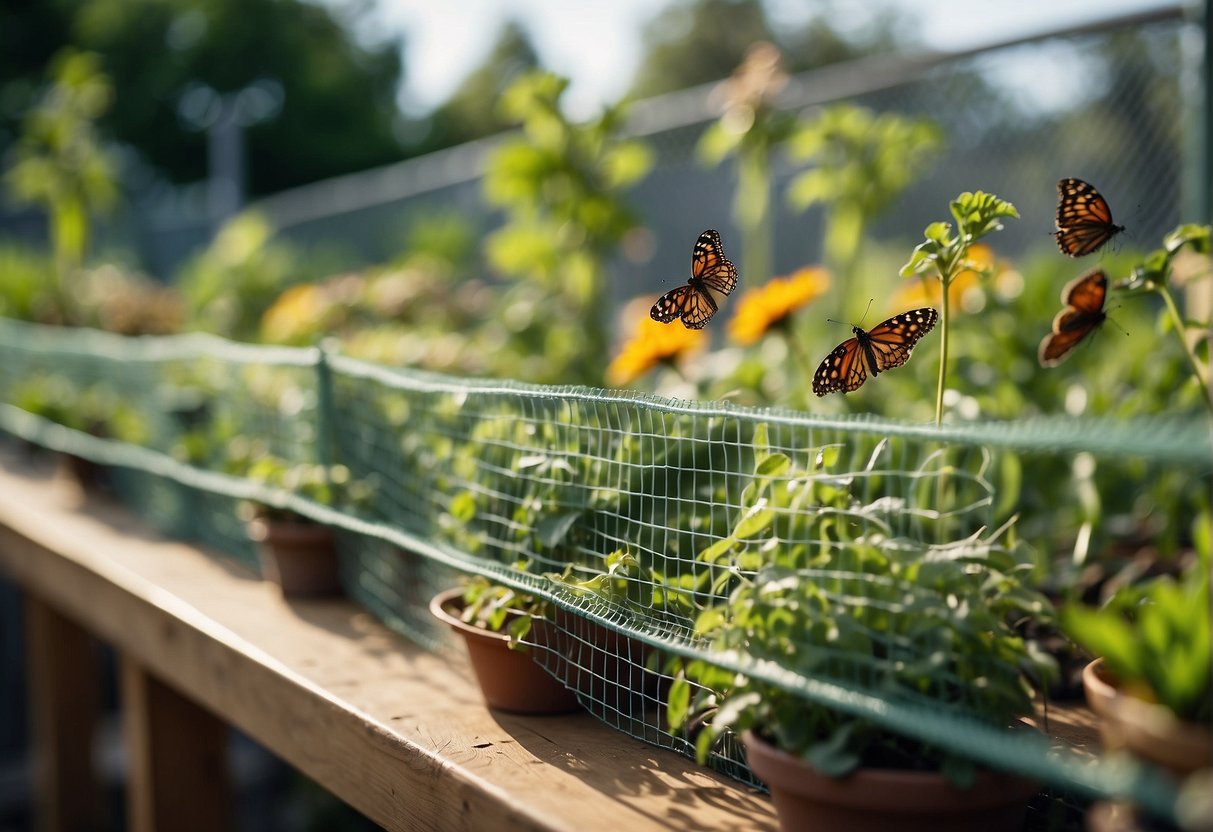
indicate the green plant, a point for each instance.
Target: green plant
{"x":944,"y":253}
{"x":330,"y":485}
{"x":228,"y":287}
{"x":912,"y":623}
{"x":561,"y":184}
{"x":60,"y":163}
{"x":1154,"y":274}
{"x":862,"y":162}
{"x":27,"y":280}
{"x":500,"y":608}
{"x":1154,"y":636}
{"x":750,"y":128}
{"x":826,"y":575}
{"x":98,"y":409}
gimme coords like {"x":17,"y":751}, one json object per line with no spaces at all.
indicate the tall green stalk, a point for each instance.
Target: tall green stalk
{"x":943,"y":350}
{"x":1177,"y":323}
{"x":752,"y":210}
{"x":944,"y":254}
{"x":1153,"y":274}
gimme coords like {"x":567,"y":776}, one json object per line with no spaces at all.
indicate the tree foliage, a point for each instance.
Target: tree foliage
{"x":470,"y":112}
{"x":695,"y":42}
{"x":339,"y":98}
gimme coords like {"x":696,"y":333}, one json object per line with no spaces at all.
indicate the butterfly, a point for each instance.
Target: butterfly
{"x":710,"y":269}
{"x":1084,"y":220}
{"x":883,"y":347}
{"x":1083,"y":299}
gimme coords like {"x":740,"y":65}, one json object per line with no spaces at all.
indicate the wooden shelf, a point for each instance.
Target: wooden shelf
{"x":399,"y":733}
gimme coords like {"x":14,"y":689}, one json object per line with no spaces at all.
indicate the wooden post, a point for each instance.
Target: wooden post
{"x":178,"y":766}
{"x":63,"y":708}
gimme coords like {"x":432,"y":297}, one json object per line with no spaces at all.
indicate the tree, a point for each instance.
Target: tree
{"x":700,"y":41}
{"x":696,"y":42}
{"x":339,"y":109}
{"x":471,"y":112}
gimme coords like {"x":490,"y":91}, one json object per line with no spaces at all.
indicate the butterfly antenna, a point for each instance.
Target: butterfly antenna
{"x":866,"y":310}
{"x":1115,"y":323}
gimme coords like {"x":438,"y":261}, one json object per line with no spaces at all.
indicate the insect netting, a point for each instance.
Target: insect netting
{"x":865,"y":552}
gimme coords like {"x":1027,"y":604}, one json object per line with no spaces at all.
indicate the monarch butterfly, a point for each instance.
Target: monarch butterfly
{"x":1084,"y":220}
{"x":883,"y":347}
{"x":710,"y":269}
{"x":1083,"y":299}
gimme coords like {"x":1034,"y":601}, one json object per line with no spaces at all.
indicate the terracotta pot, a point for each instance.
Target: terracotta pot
{"x":509,"y":679}
{"x":1145,"y":729}
{"x":874,"y":800}
{"x":87,"y":474}
{"x":607,"y":667}
{"x":301,"y":558}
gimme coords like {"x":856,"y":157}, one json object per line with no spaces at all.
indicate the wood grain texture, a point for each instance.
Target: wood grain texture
{"x":399,"y":733}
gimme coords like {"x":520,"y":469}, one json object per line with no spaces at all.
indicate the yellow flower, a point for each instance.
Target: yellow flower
{"x":758,"y":310}
{"x":296,"y":316}
{"x":651,"y":344}
{"x":964,"y":292}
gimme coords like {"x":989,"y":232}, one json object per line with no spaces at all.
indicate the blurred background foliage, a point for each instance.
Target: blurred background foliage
{"x":544,"y":267}
{"x":525,"y":280}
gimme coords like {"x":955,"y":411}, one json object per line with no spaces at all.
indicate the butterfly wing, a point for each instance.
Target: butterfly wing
{"x":892,"y":340}
{"x":709,"y":265}
{"x":1082,"y":314}
{"x":710,"y":269}
{"x":689,"y":302}
{"x":842,"y":370}
{"x":1084,"y":220}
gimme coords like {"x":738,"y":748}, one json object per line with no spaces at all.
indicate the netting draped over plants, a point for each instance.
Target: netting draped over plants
{"x":635,"y":516}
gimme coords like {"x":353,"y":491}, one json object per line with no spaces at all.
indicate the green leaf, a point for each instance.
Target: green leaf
{"x":775,"y":465}
{"x":554,"y":528}
{"x":463,"y":507}
{"x":1104,"y":633}
{"x":679,"y":702}
{"x":835,"y":757}
{"x":717,"y":551}
{"x":1195,"y":235}
{"x":755,"y":520}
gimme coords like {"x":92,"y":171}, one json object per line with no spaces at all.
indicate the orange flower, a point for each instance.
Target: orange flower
{"x":964,"y":293}
{"x":651,"y":344}
{"x":761,"y":309}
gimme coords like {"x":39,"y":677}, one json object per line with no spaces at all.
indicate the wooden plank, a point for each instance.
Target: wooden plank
{"x":62,"y":678}
{"x":399,"y":733}
{"x":177,"y":777}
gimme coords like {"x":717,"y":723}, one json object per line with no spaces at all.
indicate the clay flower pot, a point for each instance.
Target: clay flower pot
{"x":301,"y":558}
{"x":873,"y":800}
{"x":1143,"y":728}
{"x":606,"y":666}
{"x":509,"y":679}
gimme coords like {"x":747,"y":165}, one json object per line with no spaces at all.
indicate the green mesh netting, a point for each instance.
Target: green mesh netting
{"x":632,"y":514}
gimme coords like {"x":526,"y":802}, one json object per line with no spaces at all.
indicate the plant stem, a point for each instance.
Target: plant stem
{"x":802,"y":357}
{"x":1178,"y":323}
{"x":752,"y":211}
{"x":944,"y":281}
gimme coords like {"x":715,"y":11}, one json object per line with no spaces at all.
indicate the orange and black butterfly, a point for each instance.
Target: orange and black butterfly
{"x":1083,"y":299}
{"x":883,"y":347}
{"x":710,"y":269}
{"x":1084,"y":220}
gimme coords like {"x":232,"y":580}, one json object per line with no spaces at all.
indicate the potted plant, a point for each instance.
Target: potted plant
{"x":923,"y":624}
{"x":1150,"y":684}
{"x":493,"y":619}
{"x":296,"y":553}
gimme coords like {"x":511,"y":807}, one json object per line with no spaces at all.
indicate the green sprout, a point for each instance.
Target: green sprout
{"x":944,"y":253}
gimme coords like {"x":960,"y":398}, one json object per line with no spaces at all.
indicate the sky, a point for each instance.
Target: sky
{"x":597,"y":45}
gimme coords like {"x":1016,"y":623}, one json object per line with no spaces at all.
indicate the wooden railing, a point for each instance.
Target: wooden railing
{"x":399,"y":733}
